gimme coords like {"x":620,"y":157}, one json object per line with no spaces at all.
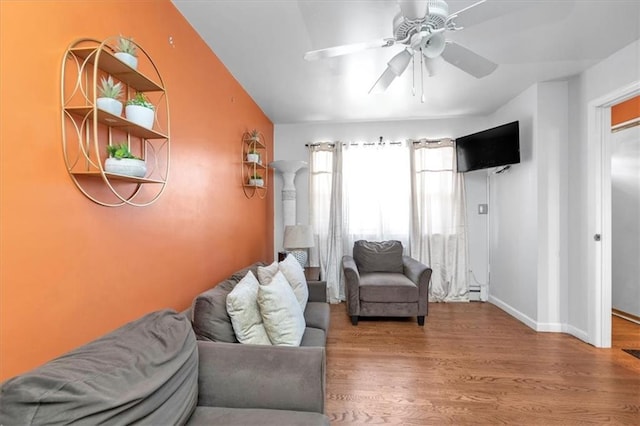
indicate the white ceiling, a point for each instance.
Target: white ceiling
{"x":262,"y":43}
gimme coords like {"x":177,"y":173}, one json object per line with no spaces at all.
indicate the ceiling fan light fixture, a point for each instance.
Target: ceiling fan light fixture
{"x":433,"y":66}
{"x":414,"y":9}
{"x":400,"y":62}
{"x":434,"y":46}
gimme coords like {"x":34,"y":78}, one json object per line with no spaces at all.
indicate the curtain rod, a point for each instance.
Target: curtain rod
{"x":352,"y":143}
{"x":419,"y":141}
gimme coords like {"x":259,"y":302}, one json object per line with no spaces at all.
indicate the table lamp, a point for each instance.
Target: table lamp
{"x":297,"y":239}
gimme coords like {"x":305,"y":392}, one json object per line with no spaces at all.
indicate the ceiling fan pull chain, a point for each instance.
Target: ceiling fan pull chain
{"x":413,"y":75}
{"x":422,"y":75}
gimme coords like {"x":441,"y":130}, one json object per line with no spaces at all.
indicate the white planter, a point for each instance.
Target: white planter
{"x":126,"y":166}
{"x":128,"y":59}
{"x":253,"y":158}
{"x":140,"y":115}
{"x":110,"y":105}
{"x":256,"y":182}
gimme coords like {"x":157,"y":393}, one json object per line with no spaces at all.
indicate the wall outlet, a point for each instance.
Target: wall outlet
{"x":483,"y":208}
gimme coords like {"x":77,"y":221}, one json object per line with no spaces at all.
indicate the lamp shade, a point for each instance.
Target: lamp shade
{"x":298,"y":236}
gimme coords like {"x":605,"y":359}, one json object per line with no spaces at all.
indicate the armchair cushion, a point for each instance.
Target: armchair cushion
{"x":378,"y":256}
{"x":387,"y":287}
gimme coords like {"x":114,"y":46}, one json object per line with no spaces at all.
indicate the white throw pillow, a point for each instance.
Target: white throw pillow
{"x":242,"y":307}
{"x":293,"y":272}
{"x":266,"y":273}
{"x":281,"y":313}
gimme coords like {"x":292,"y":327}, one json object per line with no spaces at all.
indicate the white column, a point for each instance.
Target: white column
{"x":288,"y":169}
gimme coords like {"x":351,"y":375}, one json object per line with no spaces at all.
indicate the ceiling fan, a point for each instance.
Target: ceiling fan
{"x":421,"y":27}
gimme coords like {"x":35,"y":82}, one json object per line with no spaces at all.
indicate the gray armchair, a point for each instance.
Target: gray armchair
{"x":381,"y":282}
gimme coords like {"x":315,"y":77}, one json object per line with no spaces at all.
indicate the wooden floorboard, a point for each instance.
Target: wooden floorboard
{"x":474,"y":364}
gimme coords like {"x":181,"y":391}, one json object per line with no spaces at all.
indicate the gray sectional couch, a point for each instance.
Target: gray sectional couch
{"x":154,"y":371}
{"x":211,"y":321}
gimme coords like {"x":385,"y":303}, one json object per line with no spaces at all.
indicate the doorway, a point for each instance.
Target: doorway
{"x":625,"y":218}
{"x":599,"y":213}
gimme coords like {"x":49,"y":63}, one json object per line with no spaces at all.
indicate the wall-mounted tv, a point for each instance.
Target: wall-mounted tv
{"x":494,"y":147}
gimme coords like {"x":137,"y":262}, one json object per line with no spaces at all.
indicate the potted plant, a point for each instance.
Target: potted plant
{"x":256,"y":180}
{"x":109,"y":94}
{"x":126,"y":51}
{"x":140,"y":111}
{"x":253,"y":156}
{"x":254,"y":135}
{"x":122,"y":162}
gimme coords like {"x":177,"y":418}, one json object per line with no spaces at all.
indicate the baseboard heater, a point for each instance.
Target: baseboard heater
{"x":474,"y":294}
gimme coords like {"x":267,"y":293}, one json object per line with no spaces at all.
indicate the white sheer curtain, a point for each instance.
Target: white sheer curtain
{"x":438,"y":232}
{"x":377,"y":189}
{"x":357,"y":191}
{"x":325,"y":189}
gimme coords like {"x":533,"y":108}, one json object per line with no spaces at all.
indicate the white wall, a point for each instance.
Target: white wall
{"x":513,"y":218}
{"x":475,"y":183}
{"x":290,"y":140}
{"x":527,"y":240}
{"x":618,"y":71}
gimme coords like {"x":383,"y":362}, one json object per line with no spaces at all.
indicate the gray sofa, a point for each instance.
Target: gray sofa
{"x":154,"y":371}
{"x":211,"y":321}
{"x":381,"y":282}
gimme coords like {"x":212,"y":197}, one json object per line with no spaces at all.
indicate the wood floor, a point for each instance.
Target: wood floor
{"x":474,"y":364}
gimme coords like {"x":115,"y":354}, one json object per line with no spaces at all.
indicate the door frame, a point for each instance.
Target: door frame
{"x":599,"y":212}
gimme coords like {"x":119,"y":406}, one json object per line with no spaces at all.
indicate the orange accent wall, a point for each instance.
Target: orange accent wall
{"x":625,"y":111}
{"x":72,"y":270}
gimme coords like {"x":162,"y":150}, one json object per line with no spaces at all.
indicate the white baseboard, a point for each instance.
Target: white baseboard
{"x":549,"y":327}
{"x":540,"y":326}
{"x":576,"y":332}
{"x":529,"y":322}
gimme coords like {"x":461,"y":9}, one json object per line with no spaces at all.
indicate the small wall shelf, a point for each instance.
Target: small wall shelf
{"x":254,"y":144}
{"x":87,"y":130}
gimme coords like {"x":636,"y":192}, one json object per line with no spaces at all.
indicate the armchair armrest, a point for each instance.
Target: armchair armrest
{"x":317,"y":291}
{"x":420,"y":274}
{"x":235,"y":375}
{"x":352,"y":285}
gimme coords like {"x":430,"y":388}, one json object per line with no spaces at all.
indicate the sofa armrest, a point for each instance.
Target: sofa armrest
{"x":420,"y":274}
{"x":235,"y":375}
{"x":352,"y":285}
{"x":317,"y":291}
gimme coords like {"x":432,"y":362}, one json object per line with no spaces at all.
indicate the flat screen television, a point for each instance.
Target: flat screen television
{"x":499,"y":146}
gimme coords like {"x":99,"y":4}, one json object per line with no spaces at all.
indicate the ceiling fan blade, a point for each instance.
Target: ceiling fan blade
{"x":400,"y":62}
{"x":468,"y":61}
{"x":413,"y":9}
{"x":468,"y":7}
{"x":347,"y":49}
{"x":384,"y":81}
